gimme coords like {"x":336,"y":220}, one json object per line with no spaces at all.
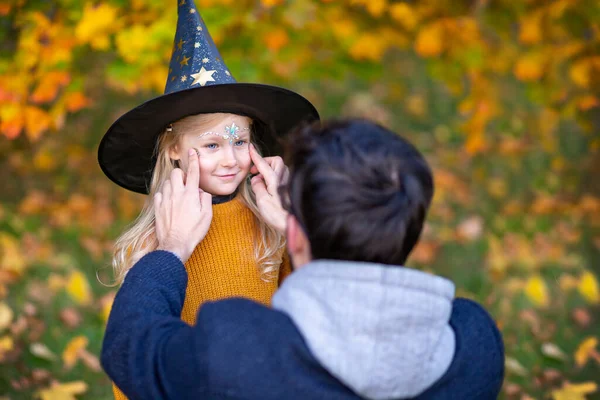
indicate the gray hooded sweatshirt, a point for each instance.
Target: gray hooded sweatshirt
{"x":382,"y":330}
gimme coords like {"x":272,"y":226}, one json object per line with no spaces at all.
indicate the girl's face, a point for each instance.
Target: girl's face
{"x":223,"y":149}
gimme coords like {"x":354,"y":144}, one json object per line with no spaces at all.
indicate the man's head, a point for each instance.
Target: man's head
{"x":356,"y":192}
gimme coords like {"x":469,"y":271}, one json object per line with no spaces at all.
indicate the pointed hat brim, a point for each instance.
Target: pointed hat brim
{"x":127,"y":151}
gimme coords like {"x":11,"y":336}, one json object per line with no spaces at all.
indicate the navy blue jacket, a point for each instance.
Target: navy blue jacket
{"x":239,"y":349}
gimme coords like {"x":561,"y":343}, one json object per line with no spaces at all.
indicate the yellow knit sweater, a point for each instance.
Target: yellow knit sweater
{"x":223,"y":264}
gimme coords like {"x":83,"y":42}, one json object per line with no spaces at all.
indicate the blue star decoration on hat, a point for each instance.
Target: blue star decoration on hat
{"x":195,"y":60}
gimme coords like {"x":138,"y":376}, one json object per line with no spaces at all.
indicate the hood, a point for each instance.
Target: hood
{"x":382,"y":330}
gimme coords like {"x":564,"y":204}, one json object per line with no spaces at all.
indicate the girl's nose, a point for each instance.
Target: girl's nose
{"x":229,"y":159}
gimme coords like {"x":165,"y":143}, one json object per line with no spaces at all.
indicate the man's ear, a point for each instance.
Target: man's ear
{"x":297,"y":243}
{"x":292,"y":234}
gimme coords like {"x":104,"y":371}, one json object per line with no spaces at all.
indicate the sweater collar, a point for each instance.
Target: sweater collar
{"x":225,"y":198}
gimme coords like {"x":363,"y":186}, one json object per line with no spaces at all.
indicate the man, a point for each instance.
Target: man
{"x":351,"y":322}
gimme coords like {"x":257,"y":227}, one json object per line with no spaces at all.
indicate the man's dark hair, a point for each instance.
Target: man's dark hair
{"x":359,"y":191}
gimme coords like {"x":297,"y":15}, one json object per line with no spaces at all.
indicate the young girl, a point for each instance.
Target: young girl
{"x":205,"y":109}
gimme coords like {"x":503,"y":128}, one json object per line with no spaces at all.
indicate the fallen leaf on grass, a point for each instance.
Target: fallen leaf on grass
{"x":586,"y":350}
{"x":574,"y":391}
{"x":6,"y":316}
{"x":63,"y":391}
{"x":73,"y":350}
{"x":40,"y":350}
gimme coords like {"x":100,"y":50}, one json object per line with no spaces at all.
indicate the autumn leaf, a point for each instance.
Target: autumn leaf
{"x":78,"y":288}
{"x":404,"y":15}
{"x":588,"y":287}
{"x":276,"y":39}
{"x":586,"y":350}
{"x":11,"y":256}
{"x":553,"y":351}
{"x":574,"y":391}
{"x":368,"y":47}
{"x":72,"y":351}
{"x":7,"y":343}
{"x":76,"y":101}
{"x":515,"y":367}
{"x":63,"y":391}
{"x":36,"y":122}
{"x":48,"y":86}
{"x":537,"y":291}
{"x":271,"y":3}
{"x":530,"y":29}
{"x":430,"y":40}
{"x":42,"y":351}
{"x":529,"y":68}
{"x":95,"y":25}
{"x":6,"y":316}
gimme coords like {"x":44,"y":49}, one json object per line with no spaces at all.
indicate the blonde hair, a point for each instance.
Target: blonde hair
{"x":140,"y":238}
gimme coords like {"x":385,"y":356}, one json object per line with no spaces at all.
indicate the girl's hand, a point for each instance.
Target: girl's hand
{"x":183,"y":211}
{"x":271,"y":173}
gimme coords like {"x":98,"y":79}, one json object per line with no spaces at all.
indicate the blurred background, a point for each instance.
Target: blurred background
{"x":502,"y":96}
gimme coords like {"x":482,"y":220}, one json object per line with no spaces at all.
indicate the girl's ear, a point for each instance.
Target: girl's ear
{"x":174,"y":152}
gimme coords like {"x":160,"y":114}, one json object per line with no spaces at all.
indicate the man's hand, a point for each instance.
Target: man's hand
{"x":271,"y":173}
{"x":183,"y":211}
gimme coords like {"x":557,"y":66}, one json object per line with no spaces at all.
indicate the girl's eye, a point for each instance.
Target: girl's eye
{"x":240,"y":142}
{"x":211,"y":146}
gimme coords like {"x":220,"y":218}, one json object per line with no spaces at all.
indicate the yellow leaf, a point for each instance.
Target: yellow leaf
{"x":95,"y":24}
{"x":63,"y":391}
{"x":6,"y":344}
{"x":11,"y":256}
{"x":530,"y":31}
{"x":36,"y":122}
{"x":71,"y":353}
{"x":271,"y":3}
{"x":133,"y":43}
{"x":11,"y":120}
{"x":430,"y":40}
{"x":79,"y":288}
{"x":572,"y":391}
{"x":404,"y":15}
{"x":580,"y":73}
{"x":585,"y":350}
{"x":536,"y":291}
{"x":588,"y":287}
{"x":368,"y":47}
{"x":343,"y":27}
{"x":529,"y":68}
{"x":6,"y":316}
{"x":374,"y":7}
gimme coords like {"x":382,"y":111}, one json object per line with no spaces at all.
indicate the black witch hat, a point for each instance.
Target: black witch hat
{"x":199,"y":82}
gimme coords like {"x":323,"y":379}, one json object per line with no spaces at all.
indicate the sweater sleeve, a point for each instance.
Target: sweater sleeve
{"x":147,"y":350}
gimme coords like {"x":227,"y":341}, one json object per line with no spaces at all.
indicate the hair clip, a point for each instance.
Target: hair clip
{"x":170,"y":128}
